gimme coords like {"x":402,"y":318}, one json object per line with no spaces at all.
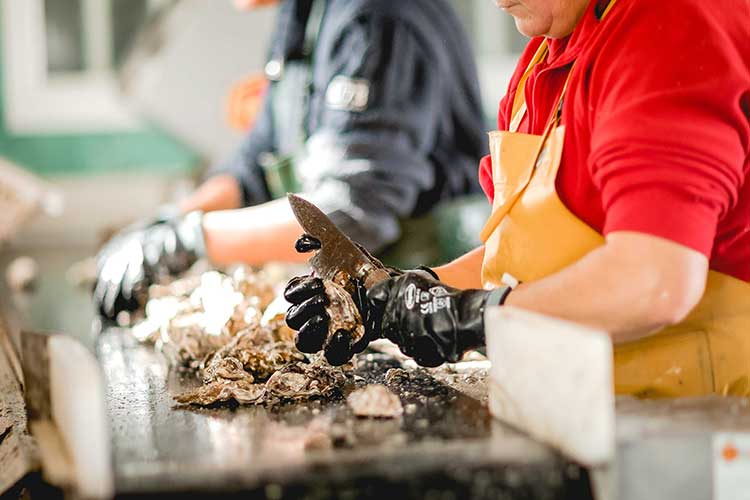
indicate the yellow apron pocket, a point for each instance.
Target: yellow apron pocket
{"x":672,"y":363}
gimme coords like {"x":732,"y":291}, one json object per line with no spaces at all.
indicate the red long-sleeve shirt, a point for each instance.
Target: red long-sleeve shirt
{"x":657,"y":119}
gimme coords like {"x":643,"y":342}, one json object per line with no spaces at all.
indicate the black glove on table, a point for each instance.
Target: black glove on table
{"x":143,"y":255}
{"x":428,"y":320}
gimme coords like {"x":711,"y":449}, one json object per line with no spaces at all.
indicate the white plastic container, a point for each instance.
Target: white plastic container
{"x":553,"y":380}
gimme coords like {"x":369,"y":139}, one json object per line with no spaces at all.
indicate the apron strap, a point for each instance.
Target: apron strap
{"x":609,"y":7}
{"x":520,"y":107}
{"x":519,"y":101}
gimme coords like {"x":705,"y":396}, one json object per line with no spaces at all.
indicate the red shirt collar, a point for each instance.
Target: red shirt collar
{"x":563,"y":51}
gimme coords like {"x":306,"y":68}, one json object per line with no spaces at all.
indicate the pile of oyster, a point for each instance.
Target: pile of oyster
{"x":229,"y":329}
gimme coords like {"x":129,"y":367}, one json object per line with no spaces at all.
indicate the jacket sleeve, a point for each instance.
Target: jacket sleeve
{"x":373,"y":122}
{"x":244,"y":165}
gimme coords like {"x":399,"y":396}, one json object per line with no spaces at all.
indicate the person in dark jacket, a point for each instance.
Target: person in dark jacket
{"x":373,"y":114}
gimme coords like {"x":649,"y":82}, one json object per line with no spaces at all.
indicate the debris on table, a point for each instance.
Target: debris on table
{"x":368,"y":432}
{"x":318,"y":434}
{"x":376,"y":401}
{"x":230,"y":331}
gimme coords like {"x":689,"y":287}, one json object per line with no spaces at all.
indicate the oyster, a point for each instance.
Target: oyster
{"x":242,"y":391}
{"x":343,"y":312}
{"x":303,"y":381}
{"x":22,"y":274}
{"x":213,"y":324}
{"x":294,"y":382}
{"x":225,"y":307}
{"x":255,"y":353}
{"x":192,"y":317}
{"x":375,"y":401}
{"x":258,"y":285}
{"x":184,"y":342}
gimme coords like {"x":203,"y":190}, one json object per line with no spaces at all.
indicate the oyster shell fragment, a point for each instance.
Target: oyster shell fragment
{"x":375,"y":401}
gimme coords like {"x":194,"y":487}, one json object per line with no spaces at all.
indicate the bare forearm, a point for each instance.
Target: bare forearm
{"x":464,"y":272}
{"x":630,"y":287}
{"x":217,"y":193}
{"x":254,"y":235}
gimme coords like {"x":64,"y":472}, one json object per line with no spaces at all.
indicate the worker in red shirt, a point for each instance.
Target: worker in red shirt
{"x":621,"y":200}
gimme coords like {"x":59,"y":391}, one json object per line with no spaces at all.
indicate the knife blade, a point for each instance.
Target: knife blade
{"x":337,"y":251}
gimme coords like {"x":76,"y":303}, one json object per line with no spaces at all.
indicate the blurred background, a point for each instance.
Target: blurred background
{"x":121,"y":103}
{"x":110,"y":108}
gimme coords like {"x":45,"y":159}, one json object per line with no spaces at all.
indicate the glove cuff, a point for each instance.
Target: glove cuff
{"x":497,"y":296}
{"x":473,"y":305}
{"x":432,"y":274}
{"x":470,"y":315}
{"x":190,"y":232}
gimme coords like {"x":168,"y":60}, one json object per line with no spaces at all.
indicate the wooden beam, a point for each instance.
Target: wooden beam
{"x":18,"y":453}
{"x":35,"y":360}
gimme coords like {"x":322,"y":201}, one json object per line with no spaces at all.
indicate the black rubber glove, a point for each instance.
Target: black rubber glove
{"x":141,"y":256}
{"x":308,"y":313}
{"x":429,"y":321}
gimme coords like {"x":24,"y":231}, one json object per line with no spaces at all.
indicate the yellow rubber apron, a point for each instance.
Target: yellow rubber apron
{"x":531,"y":234}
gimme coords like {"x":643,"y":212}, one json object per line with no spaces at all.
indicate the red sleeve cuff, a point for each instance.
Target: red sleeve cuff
{"x":666,"y":214}
{"x":485,"y":177}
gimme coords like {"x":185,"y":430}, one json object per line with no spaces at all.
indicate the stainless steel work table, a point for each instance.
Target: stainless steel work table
{"x":446,"y":447}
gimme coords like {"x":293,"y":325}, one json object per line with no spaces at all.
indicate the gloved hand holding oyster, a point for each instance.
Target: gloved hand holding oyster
{"x":428,"y":320}
{"x":335,"y":315}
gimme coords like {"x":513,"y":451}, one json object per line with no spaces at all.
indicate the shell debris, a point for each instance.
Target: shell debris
{"x":212,"y":324}
{"x":375,"y":401}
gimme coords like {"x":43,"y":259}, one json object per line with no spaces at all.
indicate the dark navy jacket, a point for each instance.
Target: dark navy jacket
{"x":421,"y":135}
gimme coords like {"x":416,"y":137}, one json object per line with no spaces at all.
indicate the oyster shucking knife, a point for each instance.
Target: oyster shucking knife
{"x":337,"y":252}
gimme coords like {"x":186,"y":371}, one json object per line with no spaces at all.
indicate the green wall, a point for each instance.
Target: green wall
{"x":147,"y":149}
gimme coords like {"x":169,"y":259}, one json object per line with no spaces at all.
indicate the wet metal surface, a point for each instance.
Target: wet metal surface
{"x":445,"y":445}
{"x":54,"y":304}
{"x":665,"y":447}
{"x":640,"y":419}
{"x":445,"y":442}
